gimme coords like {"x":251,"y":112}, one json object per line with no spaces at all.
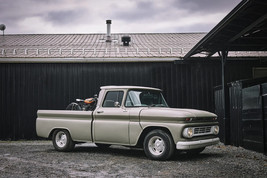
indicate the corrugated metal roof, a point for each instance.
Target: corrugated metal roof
{"x":94,"y":46}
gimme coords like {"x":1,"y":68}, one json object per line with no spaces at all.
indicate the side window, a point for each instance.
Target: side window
{"x":112,"y":97}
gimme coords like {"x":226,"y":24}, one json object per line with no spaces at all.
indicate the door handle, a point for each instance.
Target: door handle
{"x":100,"y":112}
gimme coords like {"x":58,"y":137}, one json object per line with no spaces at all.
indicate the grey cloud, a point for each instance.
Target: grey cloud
{"x":142,"y":11}
{"x":205,"y":5}
{"x":21,"y":9}
{"x":17,"y":10}
{"x":195,"y":28}
{"x":146,"y":12}
{"x":63,"y":17}
{"x":53,"y":11}
{"x":12,"y":12}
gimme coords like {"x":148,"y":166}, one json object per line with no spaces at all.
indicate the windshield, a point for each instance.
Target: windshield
{"x":137,"y":98}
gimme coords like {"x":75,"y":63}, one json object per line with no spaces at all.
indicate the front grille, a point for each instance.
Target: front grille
{"x":202,"y":130}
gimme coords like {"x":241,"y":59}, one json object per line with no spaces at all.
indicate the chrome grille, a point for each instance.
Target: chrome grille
{"x":202,"y":130}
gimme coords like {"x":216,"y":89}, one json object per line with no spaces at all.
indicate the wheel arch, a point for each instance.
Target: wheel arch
{"x":58,"y":128}
{"x":149,"y":129}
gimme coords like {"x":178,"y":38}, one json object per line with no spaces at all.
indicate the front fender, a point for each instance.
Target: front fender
{"x":175,"y":129}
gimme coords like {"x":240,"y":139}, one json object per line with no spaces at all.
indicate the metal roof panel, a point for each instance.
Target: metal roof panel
{"x":95,"y":45}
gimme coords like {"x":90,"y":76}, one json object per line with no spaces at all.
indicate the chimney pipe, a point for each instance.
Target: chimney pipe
{"x":108,"y":22}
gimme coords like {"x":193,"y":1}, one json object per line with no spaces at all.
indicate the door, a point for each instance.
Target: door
{"x":252,"y":119}
{"x":111,"y":124}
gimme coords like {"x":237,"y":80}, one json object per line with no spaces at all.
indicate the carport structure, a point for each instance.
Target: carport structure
{"x":243,"y":29}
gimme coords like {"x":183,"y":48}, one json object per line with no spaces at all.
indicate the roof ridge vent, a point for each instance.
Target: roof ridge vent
{"x":126,"y":40}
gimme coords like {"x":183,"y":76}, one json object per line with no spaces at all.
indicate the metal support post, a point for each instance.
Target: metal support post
{"x":225,"y":99}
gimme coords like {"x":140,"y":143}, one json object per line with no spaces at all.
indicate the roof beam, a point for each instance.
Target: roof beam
{"x":245,"y":30}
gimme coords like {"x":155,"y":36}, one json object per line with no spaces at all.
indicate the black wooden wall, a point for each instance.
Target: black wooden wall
{"x":27,"y":87}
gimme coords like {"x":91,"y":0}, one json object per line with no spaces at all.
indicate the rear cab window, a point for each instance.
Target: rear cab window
{"x":113,"y":97}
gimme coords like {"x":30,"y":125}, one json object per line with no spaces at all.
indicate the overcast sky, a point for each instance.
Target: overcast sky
{"x":128,"y":16}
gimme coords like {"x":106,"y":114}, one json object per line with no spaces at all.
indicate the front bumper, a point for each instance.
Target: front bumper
{"x":196,"y":144}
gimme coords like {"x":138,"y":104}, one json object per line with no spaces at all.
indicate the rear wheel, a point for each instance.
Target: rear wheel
{"x":158,"y":145}
{"x":73,"y":106}
{"x":62,"y":140}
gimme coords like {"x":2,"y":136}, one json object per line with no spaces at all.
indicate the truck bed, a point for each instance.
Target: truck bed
{"x":78,"y":123}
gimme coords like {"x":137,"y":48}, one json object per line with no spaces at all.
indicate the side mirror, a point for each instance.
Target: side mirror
{"x":117,"y":104}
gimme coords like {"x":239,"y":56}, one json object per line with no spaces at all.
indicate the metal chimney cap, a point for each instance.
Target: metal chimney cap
{"x":108,"y":21}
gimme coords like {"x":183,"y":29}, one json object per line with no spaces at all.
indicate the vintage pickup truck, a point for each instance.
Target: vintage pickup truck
{"x":131,"y":116}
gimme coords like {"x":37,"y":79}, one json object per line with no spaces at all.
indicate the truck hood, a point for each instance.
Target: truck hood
{"x":174,"y":114}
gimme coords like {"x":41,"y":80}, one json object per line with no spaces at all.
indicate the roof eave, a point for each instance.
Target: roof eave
{"x":216,"y":29}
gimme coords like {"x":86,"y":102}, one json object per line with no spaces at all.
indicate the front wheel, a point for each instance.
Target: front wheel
{"x":158,"y":145}
{"x":62,"y":140}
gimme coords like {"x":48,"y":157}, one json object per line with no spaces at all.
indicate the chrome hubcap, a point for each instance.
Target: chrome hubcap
{"x":156,"y":145}
{"x":61,"y":139}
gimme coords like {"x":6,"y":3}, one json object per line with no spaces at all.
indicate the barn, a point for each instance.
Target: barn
{"x":48,"y":71}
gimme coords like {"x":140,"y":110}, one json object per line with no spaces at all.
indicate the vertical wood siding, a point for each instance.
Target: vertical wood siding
{"x":25,"y":88}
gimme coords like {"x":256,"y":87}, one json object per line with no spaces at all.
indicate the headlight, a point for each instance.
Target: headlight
{"x":215,"y":129}
{"x":188,"y":132}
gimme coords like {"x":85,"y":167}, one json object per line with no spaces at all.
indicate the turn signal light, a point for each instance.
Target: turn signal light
{"x":188,"y":119}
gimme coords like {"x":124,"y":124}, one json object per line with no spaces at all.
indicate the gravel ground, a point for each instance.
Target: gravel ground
{"x":39,"y":159}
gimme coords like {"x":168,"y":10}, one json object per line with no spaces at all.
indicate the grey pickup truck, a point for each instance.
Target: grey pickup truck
{"x":131,"y":116}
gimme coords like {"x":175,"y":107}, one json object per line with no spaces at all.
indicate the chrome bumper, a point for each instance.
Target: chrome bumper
{"x":196,"y":144}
